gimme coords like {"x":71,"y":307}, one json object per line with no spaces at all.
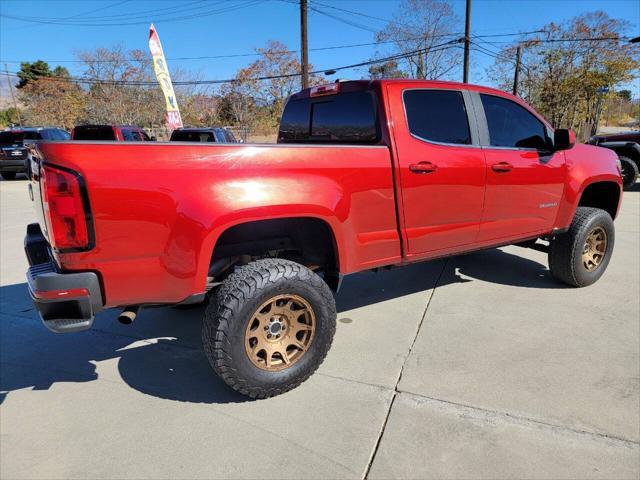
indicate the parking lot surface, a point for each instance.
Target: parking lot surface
{"x":478,"y":366}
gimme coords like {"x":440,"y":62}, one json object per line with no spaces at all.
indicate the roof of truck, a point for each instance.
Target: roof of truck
{"x":357,"y":85}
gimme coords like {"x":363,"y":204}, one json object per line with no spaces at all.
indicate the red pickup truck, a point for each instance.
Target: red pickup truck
{"x":366,"y":174}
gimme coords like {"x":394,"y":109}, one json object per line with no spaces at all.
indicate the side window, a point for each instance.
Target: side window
{"x":511,"y":125}
{"x":219,"y":135}
{"x":129,"y":135}
{"x":437,"y":116}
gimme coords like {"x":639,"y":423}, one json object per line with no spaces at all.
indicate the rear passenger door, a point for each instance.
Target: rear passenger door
{"x":441,"y":167}
{"x":525,"y":178}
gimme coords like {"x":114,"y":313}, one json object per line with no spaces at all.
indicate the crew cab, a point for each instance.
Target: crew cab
{"x":366,"y":174}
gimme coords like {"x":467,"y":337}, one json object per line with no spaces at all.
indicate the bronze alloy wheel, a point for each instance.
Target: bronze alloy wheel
{"x":280,"y":332}
{"x":594,"y":248}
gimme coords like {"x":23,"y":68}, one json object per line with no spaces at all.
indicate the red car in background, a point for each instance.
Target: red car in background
{"x":117,"y":133}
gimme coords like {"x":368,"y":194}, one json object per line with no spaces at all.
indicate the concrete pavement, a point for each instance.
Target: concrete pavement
{"x":479,"y":366}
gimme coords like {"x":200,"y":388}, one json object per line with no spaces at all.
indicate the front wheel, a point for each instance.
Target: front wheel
{"x":269,"y":327}
{"x":629,"y":172}
{"x":580,"y":256}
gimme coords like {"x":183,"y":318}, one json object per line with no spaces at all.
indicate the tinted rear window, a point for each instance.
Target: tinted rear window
{"x":189,"y":136}
{"x":437,"y":115}
{"x":11,"y":137}
{"x":343,"y":118}
{"x":94,"y":133}
{"x":18,"y":137}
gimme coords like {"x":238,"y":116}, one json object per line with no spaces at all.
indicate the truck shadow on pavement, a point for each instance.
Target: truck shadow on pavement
{"x":161,"y":354}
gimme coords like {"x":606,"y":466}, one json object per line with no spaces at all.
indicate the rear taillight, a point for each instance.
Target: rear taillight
{"x":64,"y":209}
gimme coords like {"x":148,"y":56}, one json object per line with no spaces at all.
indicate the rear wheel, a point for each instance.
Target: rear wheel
{"x":269,"y":327}
{"x":580,"y":256}
{"x":629,"y":171}
{"x":8,"y":175}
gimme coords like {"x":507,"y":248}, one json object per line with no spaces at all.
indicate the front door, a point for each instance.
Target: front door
{"x":525,"y":179}
{"x":441,"y":168}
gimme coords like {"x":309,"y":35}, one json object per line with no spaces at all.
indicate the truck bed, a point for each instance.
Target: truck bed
{"x":158,"y":208}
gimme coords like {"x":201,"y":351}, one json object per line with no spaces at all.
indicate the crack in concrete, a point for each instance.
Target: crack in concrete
{"x":484,"y":414}
{"x":404,"y":362}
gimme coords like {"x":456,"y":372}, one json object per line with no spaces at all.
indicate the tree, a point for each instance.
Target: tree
{"x":270,"y":94}
{"x":51,"y":102}
{"x":9,"y":116}
{"x":238,"y":104}
{"x":624,"y":95}
{"x":422,"y":25}
{"x":118,"y":102}
{"x":200,"y":110}
{"x":563,"y":74}
{"x":38,"y":69}
{"x":386,"y":70}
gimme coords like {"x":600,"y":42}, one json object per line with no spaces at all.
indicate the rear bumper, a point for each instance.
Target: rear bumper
{"x":66,"y":302}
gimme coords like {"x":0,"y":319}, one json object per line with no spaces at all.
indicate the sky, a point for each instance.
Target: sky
{"x":229,"y":27}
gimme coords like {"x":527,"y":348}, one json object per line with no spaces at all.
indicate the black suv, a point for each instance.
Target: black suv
{"x":13,"y":153}
{"x":215,"y":135}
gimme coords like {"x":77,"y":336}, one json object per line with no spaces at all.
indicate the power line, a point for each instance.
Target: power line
{"x":88,"y":81}
{"x":351,"y":12}
{"x":254,"y":54}
{"x":130,"y":15}
{"x":206,"y":13}
{"x":344,"y":20}
{"x":235,"y":55}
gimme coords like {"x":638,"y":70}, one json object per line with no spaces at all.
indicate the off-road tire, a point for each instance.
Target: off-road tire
{"x":565,"y":250}
{"x":231,"y":307}
{"x":629,"y":172}
{"x":8,"y":175}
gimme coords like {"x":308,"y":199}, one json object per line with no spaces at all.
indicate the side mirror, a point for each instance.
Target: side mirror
{"x":563,"y":139}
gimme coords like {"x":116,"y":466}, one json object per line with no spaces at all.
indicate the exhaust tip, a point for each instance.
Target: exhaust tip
{"x":128,"y":315}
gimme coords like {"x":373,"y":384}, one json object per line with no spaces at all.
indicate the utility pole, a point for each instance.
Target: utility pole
{"x":467,"y":41}
{"x":13,"y":97}
{"x":304,"y":45}
{"x":516,"y":74}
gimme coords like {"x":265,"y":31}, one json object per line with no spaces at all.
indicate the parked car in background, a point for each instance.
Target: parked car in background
{"x":627,"y":146}
{"x":115,"y":133}
{"x":13,"y":153}
{"x":205,"y":135}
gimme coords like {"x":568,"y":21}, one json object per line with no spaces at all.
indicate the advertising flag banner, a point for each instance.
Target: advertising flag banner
{"x":173,"y":118}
